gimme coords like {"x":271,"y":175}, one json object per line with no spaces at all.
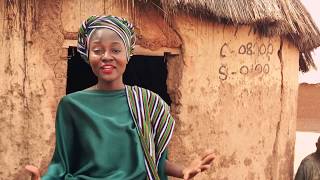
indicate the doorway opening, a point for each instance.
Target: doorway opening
{"x":149,"y":72}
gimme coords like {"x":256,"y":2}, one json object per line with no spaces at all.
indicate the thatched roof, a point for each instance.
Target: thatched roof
{"x":287,"y":18}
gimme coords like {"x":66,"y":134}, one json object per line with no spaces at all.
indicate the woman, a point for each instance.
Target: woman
{"x":111,"y":130}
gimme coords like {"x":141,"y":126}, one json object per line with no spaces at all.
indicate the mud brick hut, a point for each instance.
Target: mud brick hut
{"x":228,"y":68}
{"x":308,"y":108}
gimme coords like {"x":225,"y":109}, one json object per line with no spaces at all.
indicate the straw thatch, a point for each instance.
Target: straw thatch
{"x":287,"y":18}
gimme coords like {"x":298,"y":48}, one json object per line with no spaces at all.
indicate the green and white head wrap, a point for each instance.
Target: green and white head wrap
{"x":119,"y":25}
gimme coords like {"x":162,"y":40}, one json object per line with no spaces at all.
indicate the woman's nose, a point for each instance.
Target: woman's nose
{"x":106,"y":56}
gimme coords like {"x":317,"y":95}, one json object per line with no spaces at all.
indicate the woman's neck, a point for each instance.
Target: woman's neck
{"x":109,"y":85}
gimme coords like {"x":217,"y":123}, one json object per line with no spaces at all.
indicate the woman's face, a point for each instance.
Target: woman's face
{"x":107,"y":55}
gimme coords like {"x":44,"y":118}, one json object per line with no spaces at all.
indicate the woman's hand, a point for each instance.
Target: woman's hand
{"x":198,"y":165}
{"x":35,"y":173}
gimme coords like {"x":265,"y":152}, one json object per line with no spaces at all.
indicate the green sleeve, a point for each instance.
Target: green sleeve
{"x":161,"y":166}
{"x":60,"y":163}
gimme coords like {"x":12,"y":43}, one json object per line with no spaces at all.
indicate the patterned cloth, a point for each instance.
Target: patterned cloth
{"x":152,"y":115}
{"x":119,"y":25}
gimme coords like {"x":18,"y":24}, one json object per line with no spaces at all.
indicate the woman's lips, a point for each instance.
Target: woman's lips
{"x":107,"y":69}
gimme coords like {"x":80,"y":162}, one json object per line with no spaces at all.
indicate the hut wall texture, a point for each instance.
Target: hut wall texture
{"x":308,"y":107}
{"x":238,"y":97}
{"x":32,"y":81}
{"x":225,"y":97}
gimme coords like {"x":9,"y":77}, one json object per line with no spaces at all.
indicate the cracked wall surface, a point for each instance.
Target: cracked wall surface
{"x":29,"y":89}
{"x":238,"y":97}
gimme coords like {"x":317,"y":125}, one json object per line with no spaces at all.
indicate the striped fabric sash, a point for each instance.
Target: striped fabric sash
{"x":155,"y":125}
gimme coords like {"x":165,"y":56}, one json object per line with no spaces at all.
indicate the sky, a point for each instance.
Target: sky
{"x":313,"y":76}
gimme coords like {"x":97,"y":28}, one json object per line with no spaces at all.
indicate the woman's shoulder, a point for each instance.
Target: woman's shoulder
{"x":154,"y":97}
{"x":68,"y":98}
{"x":73,"y":94}
{"x":138,"y":89}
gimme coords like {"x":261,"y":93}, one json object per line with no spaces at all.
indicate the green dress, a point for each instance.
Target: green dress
{"x":96,"y":139}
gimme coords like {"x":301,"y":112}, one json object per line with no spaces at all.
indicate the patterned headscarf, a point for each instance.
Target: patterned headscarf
{"x":119,"y":25}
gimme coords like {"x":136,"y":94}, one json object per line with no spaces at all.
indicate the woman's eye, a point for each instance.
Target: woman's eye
{"x":97,"y":51}
{"x":116,"y":50}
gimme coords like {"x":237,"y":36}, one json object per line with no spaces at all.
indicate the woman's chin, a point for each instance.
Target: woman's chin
{"x":109,"y":79}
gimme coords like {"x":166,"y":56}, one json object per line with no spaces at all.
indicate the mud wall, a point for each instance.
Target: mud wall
{"x":32,"y":80}
{"x":34,"y":37}
{"x":308,"y":108}
{"x":238,"y":97}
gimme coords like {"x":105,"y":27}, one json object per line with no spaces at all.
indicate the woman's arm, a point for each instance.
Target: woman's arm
{"x":34,"y":171}
{"x":173,"y":169}
{"x":196,"y":166}
{"x":61,"y":159}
